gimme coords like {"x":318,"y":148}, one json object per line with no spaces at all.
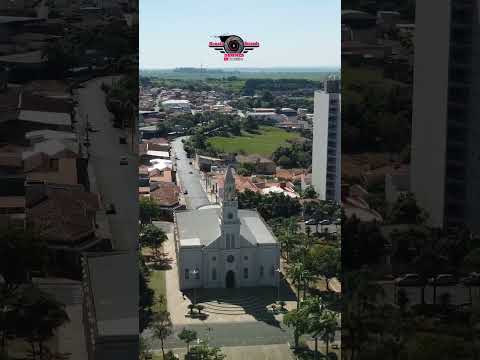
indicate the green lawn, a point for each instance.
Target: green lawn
{"x":157,"y":284}
{"x":264,"y":143}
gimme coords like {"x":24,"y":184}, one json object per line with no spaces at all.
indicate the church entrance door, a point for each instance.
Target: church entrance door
{"x":230,"y":280}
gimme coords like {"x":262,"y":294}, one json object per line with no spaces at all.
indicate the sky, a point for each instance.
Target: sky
{"x":291,"y":33}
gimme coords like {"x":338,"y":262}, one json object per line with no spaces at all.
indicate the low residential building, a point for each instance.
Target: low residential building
{"x":157,"y":144}
{"x":111,"y":307}
{"x":12,"y":201}
{"x":205,"y":163}
{"x":286,"y":189}
{"x":264,"y":116}
{"x":11,"y":160}
{"x":182,"y":106}
{"x":65,"y":217}
{"x":263,"y":165}
{"x":165,"y":194}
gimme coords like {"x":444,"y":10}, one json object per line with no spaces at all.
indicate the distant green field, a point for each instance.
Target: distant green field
{"x":264,"y":143}
{"x":309,"y":75}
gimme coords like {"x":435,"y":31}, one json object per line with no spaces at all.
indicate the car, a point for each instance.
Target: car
{"x":190,"y":172}
{"x":190,"y":163}
{"x":311,"y":222}
{"x":472,"y":279}
{"x":325,"y":222}
{"x":443,"y":279}
{"x":123,"y":140}
{"x":176,"y":158}
{"x":409,"y":280}
{"x":185,"y":192}
{"x":123,"y":160}
{"x":338,"y":221}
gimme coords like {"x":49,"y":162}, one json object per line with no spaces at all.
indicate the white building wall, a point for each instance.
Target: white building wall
{"x":207,"y":259}
{"x":320,"y":140}
{"x":190,"y":259}
{"x":326,"y":144}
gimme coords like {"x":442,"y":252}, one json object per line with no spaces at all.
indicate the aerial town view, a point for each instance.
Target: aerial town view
{"x":65,"y":230}
{"x":410,"y":246}
{"x":239,"y":192}
{"x":250,"y":180}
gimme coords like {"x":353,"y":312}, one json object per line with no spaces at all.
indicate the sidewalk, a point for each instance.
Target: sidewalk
{"x":262,"y":352}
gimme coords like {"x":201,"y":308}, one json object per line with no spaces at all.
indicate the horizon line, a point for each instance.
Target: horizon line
{"x":336,"y":67}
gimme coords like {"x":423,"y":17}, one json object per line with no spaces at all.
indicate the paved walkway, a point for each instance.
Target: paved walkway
{"x":262,"y":352}
{"x":248,"y":328}
{"x":222,"y":305}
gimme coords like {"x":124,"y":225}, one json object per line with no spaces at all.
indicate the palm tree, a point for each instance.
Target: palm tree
{"x":307,"y":278}
{"x":330,"y":325}
{"x":298,"y":321}
{"x":187,"y":336}
{"x":162,"y":328}
{"x":296,"y":272}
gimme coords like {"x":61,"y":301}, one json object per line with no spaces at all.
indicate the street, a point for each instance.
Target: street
{"x":117,"y":184}
{"x":189,"y":177}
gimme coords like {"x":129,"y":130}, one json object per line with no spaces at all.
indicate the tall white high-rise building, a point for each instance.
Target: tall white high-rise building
{"x":326,"y":154}
{"x":445,"y":160}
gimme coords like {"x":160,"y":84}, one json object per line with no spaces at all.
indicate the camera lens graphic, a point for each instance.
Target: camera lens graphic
{"x":233,"y":44}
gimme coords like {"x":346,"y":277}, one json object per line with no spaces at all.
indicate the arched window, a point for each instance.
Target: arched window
{"x":187,"y":274}
{"x":245,"y":273}
{"x":214,"y":274}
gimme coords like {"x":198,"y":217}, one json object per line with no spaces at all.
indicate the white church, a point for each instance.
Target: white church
{"x":223,"y":246}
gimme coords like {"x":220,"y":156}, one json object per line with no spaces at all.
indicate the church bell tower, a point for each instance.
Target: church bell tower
{"x":230,"y":223}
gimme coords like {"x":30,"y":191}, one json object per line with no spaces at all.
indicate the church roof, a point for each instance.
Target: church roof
{"x":202,"y":227}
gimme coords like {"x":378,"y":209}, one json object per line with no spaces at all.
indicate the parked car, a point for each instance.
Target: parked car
{"x":311,"y":222}
{"x":185,"y":192}
{"x":123,"y":140}
{"x":472,"y":279}
{"x":443,"y":279}
{"x":338,"y":221}
{"x":123,"y":160}
{"x":190,"y":172}
{"x":325,"y":222}
{"x":409,"y":280}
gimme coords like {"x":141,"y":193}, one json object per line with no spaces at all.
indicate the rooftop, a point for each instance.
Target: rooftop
{"x":115,"y":302}
{"x":44,"y":117}
{"x":164,"y":193}
{"x":192,"y":227}
{"x":30,"y":57}
{"x":61,"y":213}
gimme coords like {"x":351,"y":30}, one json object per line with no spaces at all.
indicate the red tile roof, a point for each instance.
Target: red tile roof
{"x":62,"y":213}
{"x":165,"y":194}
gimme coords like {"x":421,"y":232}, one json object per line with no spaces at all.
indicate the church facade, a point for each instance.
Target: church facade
{"x":223,"y":246}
